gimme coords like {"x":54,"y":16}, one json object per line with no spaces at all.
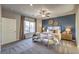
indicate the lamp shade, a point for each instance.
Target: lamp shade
{"x":68,"y":29}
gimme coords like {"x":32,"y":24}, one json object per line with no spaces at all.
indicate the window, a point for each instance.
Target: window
{"x":32,"y":26}
{"x":26,"y":26}
{"x":29,"y":26}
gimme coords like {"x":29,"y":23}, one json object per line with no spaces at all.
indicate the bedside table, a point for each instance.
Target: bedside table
{"x":66,"y":36}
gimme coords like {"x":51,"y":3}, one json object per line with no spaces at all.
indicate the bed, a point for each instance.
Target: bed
{"x":47,"y":38}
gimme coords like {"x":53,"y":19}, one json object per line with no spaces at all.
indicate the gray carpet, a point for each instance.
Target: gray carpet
{"x":26,"y":47}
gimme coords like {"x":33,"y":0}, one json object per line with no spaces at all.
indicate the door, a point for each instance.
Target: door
{"x":8,"y":30}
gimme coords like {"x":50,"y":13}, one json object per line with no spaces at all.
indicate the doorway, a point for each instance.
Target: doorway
{"x":8,"y":30}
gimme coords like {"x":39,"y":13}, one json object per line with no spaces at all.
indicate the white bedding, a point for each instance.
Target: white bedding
{"x":50,"y":36}
{"x":45,"y":37}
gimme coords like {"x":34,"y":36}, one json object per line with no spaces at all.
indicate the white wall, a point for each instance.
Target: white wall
{"x":0,"y":29}
{"x":77,"y":26}
{"x":12,"y":15}
{"x":39,"y":24}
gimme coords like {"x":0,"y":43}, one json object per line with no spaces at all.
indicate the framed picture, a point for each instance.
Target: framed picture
{"x":51,"y":22}
{"x":56,"y":23}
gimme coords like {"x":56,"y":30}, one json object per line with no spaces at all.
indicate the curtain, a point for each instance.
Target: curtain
{"x":21,"y":36}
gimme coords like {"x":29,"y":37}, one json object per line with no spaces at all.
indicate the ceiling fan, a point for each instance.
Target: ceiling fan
{"x":44,"y":12}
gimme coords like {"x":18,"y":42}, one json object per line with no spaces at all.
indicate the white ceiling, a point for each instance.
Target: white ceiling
{"x":32,"y":11}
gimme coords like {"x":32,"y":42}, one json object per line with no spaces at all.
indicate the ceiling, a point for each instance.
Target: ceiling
{"x":32,"y":11}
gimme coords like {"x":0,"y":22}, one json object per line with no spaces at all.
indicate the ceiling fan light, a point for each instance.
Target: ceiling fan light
{"x":43,"y":15}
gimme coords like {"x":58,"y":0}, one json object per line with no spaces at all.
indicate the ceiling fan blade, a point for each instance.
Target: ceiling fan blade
{"x":47,"y":13}
{"x":47,"y":16}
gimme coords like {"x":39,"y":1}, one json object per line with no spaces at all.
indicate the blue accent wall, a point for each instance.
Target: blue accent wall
{"x":63,"y":22}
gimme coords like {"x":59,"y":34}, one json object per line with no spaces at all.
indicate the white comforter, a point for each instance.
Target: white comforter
{"x":50,"y":36}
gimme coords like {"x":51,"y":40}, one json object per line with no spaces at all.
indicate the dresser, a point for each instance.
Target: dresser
{"x":66,"y":36}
